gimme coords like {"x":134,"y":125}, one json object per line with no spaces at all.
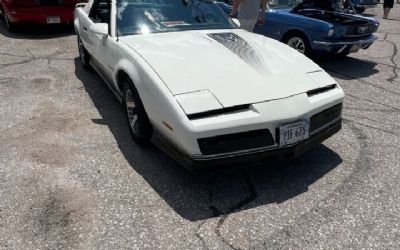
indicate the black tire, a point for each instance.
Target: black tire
{"x":298,"y":36}
{"x":360,"y":10}
{"x":9,"y":25}
{"x":140,"y":128}
{"x":342,"y":54}
{"x":83,"y":54}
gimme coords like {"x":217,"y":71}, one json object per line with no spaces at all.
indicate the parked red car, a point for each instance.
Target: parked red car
{"x":37,"y":11}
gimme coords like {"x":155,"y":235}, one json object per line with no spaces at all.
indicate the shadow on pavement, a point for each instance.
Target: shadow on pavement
{"x":37,"y":32}
{"x":368,"y":15}
{"x":392,"y":19}
{"x":201,"y":196}
{"x":347,"y":67}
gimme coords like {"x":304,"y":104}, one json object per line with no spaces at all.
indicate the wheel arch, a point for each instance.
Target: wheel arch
{"x":158,"y":101}
{"x":126,"y":70}
{"x":292,"y":31}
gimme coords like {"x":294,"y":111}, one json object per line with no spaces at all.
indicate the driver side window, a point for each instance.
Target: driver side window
{"x":100,"y":12}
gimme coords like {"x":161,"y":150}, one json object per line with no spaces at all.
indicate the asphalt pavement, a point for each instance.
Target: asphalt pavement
{"x":71,"y":177}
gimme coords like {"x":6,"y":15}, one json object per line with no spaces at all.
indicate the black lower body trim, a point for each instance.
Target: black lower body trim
{"x":246,"y":160}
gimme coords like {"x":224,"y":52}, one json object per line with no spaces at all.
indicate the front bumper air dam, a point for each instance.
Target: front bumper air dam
{"x":244,"y":160}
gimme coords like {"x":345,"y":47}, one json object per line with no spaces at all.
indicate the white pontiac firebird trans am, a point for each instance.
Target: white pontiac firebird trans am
{"x":206,"y":92}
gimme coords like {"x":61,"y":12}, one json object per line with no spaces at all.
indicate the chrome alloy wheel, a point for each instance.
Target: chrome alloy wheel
{"x":297,"y":43}
{"x":131,"y":111}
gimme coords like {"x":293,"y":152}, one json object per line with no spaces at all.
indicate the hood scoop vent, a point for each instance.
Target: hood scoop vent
{"x":321,"y":90}
{"x":241,"y":48}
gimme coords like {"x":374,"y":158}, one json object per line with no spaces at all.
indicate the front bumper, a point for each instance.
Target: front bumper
{"x":39,"y":15}
{"x":245,"y":160}
{"x":343,"y":46}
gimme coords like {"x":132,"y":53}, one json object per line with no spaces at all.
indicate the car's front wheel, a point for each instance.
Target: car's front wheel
{"x":138,"y":121}
{"x":83,"y":54}
{"x":298,"y":42}
{"x":342,"y":54}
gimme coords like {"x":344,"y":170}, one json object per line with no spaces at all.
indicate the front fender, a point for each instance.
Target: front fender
{"x":159,"y":103}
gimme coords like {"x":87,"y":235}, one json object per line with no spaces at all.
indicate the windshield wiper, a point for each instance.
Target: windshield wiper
{"x":187,"y":2}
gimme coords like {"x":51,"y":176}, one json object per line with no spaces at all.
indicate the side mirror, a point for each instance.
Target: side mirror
{"x":236,"y":21}
{"x":99,"y":28}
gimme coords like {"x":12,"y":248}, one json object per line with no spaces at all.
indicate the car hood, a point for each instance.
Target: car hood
{"x":235,"y":66}
{"x":328,"y":5}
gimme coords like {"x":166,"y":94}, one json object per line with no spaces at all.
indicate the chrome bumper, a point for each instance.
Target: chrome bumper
{"x":364,"y":41}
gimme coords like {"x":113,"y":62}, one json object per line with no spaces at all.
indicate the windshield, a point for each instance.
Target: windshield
{"x":152,"y":16}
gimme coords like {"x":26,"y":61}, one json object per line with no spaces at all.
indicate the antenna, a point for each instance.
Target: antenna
{"x":116,"y":20}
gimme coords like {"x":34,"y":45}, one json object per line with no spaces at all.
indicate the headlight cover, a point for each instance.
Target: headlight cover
{"x":198,"y":102}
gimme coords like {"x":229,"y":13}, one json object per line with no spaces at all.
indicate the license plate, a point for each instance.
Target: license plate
{"x":294,"y":132}
{"x":355,"y":48}
{"x":53,"y":19}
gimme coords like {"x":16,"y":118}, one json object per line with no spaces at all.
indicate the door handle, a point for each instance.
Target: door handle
{"x":84,"y":28}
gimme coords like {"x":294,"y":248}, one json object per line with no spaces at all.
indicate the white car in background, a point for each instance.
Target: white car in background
{"x":203,"y":90}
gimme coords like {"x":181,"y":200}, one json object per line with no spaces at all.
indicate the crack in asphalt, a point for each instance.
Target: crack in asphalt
{"x":376,"y":128}
{"x":374,"y":120}
{"x":216,"y":212}
{"x":394,"y":64}
{"x":247,"y":200}
{"x":362,"y":166}
{"x":13,"y":55}
{"x":32,"y":58}
{"x":374,"y":102}
{"x":373,"y":110}
{"x":385,"y":64}
{"x":6,"y":65}
{"x":5,"y":79}
{"x":199,"y":236}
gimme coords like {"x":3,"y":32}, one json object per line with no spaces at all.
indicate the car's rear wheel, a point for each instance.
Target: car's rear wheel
{"x":138,"y":121}
{"x":9,"y":25}
{"x":83,"y":54}
{"x":342,"y":54}
{"x":299,"y":42}
{"x":360,"y":10}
